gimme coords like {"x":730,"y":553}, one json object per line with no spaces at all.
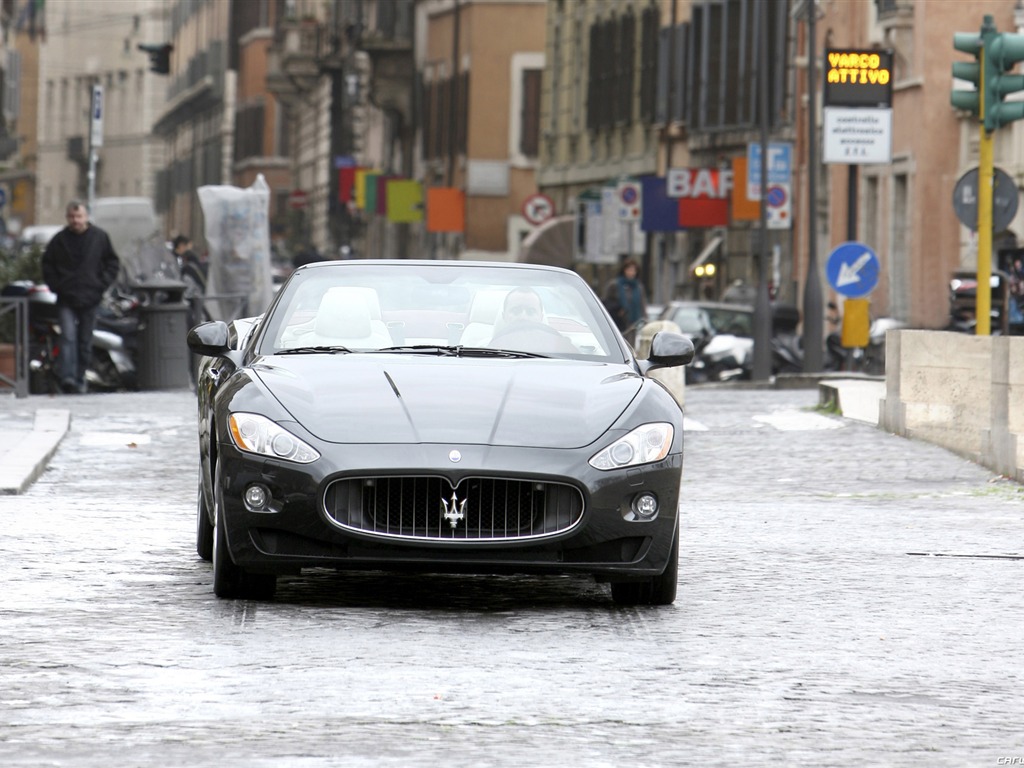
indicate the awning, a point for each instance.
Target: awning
{"x":709,"y":249}
{"x":551,"y":243}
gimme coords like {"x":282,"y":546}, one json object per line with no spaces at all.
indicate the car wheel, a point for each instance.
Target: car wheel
{"x":204,"y":528}
{"x":663,"y":588}
{"x":659,"y":590}
{"x":229,"y":580}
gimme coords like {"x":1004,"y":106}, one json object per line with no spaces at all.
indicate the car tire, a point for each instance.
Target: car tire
{"x":229,"y":580}
{"x":204,"y":528}
{"x":663,"y":587}
{"x":659,"y":590}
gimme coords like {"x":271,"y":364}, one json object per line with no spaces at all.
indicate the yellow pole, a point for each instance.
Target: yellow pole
{"x":983,"y":294}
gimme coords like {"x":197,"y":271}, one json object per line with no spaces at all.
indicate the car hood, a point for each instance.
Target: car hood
{"x":364,"y":398}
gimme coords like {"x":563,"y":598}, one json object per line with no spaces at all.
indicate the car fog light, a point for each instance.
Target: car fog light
{"x":645,"y":505}
{"x":257,"y":498}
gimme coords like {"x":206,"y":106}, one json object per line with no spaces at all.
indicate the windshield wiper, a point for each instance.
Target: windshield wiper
{"x":460,"y":351}
{"x":491,"y":352}
{"x":322,"y":349}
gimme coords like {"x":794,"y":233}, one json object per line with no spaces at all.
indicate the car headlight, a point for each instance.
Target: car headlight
{"x":258,"y":434}
{"x":645,"y":444}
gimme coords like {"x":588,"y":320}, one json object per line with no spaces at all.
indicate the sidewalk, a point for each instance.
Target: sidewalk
{"x":857,"y":399}
{"x":26,"y":445}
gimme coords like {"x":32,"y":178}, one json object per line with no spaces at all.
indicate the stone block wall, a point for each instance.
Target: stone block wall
{"x":965,"y":393}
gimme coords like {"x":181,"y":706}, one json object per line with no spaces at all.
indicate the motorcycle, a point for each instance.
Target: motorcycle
{"x":869,"y":359}
{"x":114,"y":340}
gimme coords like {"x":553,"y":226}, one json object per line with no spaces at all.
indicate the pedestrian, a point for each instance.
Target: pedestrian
{"x":79,"y":265}
{"x":308,"y":255}
{"x":625,"y":298}
{"x":194,"y":272}
{"x":191,"y":265}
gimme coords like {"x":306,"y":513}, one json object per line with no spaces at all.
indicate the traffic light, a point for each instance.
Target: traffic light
{"x":1002,"y":52}
{"x":159,"y":57}
{"x":968,"y":100}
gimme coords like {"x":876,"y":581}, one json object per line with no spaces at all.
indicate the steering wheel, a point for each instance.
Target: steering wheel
{"x":526,"y":326}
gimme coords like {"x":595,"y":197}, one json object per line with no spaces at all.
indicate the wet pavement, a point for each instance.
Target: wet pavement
{"x":847,"y":597}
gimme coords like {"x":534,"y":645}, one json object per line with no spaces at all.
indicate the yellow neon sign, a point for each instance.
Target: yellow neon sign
{"x":857,"y":68}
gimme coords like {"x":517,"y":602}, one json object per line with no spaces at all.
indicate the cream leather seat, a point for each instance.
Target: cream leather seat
{"x":483,"y":315}
{"x":346,"y":317}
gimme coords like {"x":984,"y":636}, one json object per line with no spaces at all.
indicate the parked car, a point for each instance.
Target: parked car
{"x":437,"y":416}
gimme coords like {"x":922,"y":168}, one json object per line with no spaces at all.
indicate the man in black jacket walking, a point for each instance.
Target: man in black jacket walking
{"x":79,"y":264}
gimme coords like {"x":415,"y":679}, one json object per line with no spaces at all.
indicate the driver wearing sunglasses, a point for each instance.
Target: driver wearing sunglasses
{"x":523,"y":304}
{"x":524,"y":327}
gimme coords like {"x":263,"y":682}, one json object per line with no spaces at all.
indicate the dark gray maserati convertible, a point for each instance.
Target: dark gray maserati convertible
{"x":437,"y":416}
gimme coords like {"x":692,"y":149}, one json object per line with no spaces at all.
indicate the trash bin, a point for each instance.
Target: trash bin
{"x":163,"y":356}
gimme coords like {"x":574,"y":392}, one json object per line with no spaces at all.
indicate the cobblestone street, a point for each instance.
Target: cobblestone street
{"x":847,"y":597}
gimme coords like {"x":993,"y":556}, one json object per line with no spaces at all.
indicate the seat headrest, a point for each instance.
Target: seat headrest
{"x":343,"y":316}
{"x":486,"y":306}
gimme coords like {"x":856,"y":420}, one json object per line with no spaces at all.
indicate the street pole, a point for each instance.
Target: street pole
{"x":983,"y":293}
{"x":91,"y":196}
{"x":762,"y":365}
{"x":95,"y":139}
{"x":813,"y":332}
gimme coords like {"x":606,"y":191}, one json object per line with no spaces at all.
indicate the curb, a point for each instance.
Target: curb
{"x":26,"y":453}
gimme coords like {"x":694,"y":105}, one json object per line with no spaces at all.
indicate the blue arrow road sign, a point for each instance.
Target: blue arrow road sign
{"x":852,"y":269}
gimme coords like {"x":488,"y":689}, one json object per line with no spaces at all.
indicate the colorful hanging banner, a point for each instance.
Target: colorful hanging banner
{"x":372,"y":180}
{"x":382,"y":193}
{"x":660,"y":213}
{"x":347,"y":183}
{"x":743,"y":208}
{"x":446,"y":209}
{"x":405,"y":200}
{"x":362,"y":174}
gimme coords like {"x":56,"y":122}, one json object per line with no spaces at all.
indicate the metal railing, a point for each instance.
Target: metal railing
{"x":14,"y":315}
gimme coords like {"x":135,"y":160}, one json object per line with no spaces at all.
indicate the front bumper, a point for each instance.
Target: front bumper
{"x":608,"y":542}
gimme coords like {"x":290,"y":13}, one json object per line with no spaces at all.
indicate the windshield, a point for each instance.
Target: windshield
{"x":396,"y":307}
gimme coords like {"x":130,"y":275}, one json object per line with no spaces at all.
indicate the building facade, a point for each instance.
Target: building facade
{"x":904,"y":209}
{"x":89,"y":44}
{"x":480,"y":67}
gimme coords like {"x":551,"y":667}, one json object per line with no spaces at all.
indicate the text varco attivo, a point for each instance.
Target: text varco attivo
{"x":857,"y":68}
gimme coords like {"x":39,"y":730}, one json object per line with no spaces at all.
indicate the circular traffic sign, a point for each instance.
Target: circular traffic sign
{"x":538,"y":208}
{"x":1004,"y":199}
{"x":852,"y":269}
{"x":297,"y":199}
{"x":776,"y":196}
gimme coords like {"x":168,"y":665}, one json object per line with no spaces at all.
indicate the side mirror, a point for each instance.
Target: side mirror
{"x":668,"y":350}
{"x":209,"y":339}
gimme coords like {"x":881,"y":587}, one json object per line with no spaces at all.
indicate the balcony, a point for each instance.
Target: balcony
{"x":894,"y":13}
{"x":293,"y":67}
{"x":387,"y":41}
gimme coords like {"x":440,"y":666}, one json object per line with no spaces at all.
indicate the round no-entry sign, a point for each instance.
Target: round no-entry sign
{"x":538,"y":208}
{"x":297,"y":199}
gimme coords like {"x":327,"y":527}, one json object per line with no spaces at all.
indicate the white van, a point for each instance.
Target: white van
{"x":38,"y":234}
{"x":134,"y":232}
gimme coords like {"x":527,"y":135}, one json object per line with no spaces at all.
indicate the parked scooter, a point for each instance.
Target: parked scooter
{"x":720,"y":357}
{"x":113,"y":341}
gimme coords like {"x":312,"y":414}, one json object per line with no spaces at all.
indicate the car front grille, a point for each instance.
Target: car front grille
{"x":478,"y":509}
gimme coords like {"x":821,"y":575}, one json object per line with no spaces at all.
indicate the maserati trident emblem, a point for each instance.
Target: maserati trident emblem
{"x":454,"y":512}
